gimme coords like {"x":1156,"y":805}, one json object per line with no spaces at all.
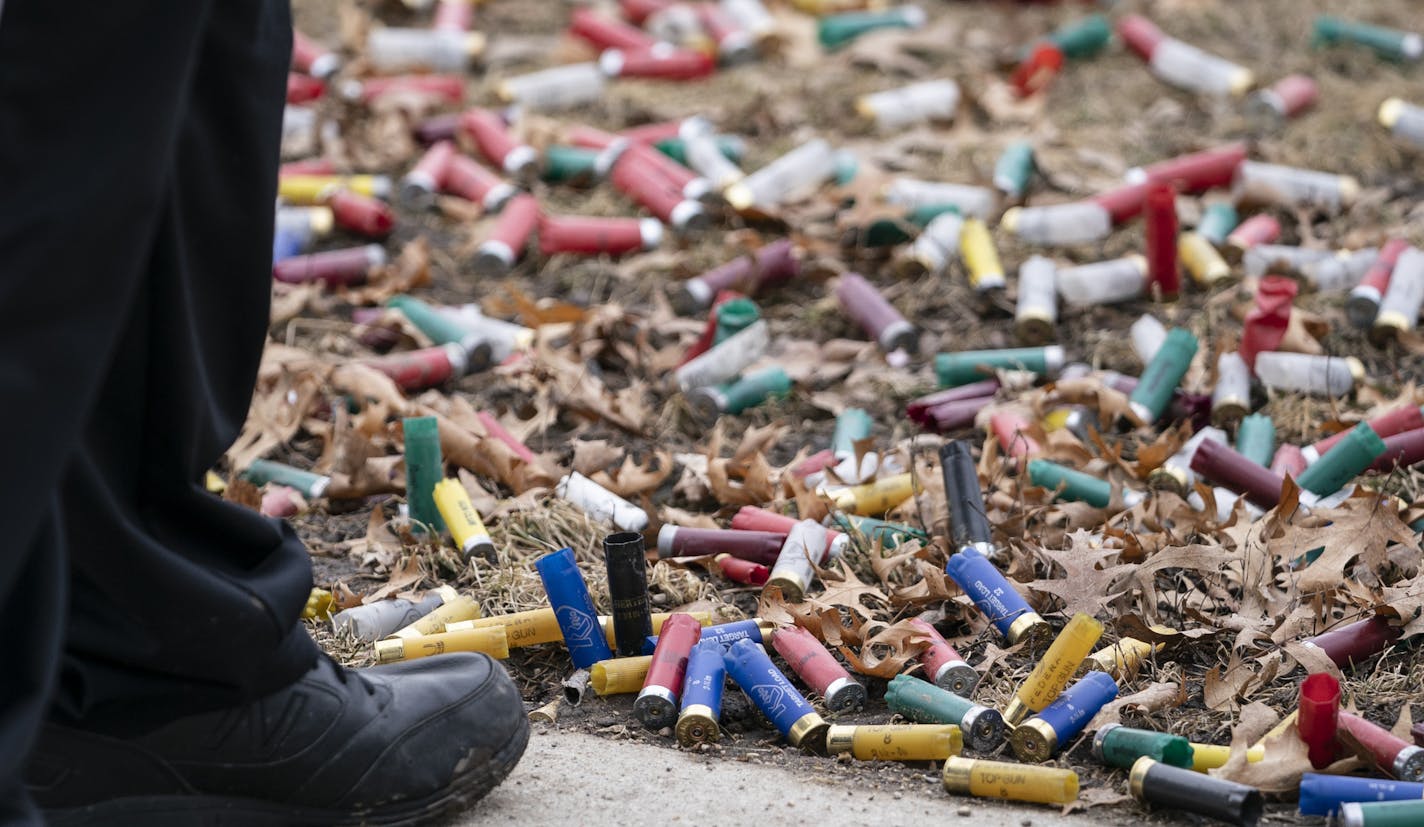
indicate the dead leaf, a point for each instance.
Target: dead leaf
{"x":1083,"y":587}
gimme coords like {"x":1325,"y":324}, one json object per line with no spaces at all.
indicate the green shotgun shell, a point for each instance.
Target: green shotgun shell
{"x":887,"y":232}
{"x":1390,"y":44}
{"x":1120,"y":746}
{"x":441,"y":329}
{"x":564,"y":164}
{"x":747,"y":392}
{"x":265,"y":470}
{"x":852,"y":426}
{"x":1256,"y":439}
{"x":1013,"y":169}
{"x":735,"y":316}
{"x":955,"y":369}
{"x":1217,"y":222}
{"x":731,"y":147}
{"x":847,"y":166}
{"x":1159,"y":381}
{"x":1077,"y":486}
{"x":923,"y":702}
{"x":1083,"y":38}
{"x":1351,"y":455}
{"x":1381,"y":813}
{"x":423,"y":469}
{"x":889,"y":534}
{"x":838,"y":30}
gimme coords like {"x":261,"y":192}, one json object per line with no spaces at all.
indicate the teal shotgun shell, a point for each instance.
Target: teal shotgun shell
{"x":1217,"y":222}
{"x":1256,"y":439}
{"x":1013,"y":169}
{"x":755,"y":388}
{"x":1390,"y":44}
{"x":838,"y":30}
{"x":1351,"y":455}
{"x":563,"y":164}
{"x":1381,"y":814}
{"x":847,"y":166}
{"x":925,"y":703}
{"x":1083,"y":38}
{"x":731,"y":147}
{"x":886,"y":232}
{"x":889,"y":534}
{"x":1120,"y":746}
{"x":423,"y":469}
{"x":265,"y":470}
{"x":746,"y":392}
{"x":1159,"y":381}
{"x":955,"y":369}
{"x":1077,"y":486}
{"x":441,"y":329}
{"x":852,"y":426}
{"x":733,"y":317}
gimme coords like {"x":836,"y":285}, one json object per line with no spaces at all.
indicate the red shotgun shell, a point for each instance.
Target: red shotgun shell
{"x":1198,"y":171}
{"x":303,"y":88}
{"x":313,"y":58}
{"x":1123,"y":203}
{"x":1288,"y":460}
{"x":638,"y":11}
{"x":754,"y":546}
{"x":876,"y":316}
{"x":952,"y":416}
{"x":751,"y":518}
{"x":1228,"y":468}
{"x":1010,"y":427}
{"x":1356,"y":642}
{"x":656,"y":706}
{"x":1258,"y":229}
{"x":1400,"y":420}
{"x":447,"y":88}
{"x":308,"y":166}
{"x":637,"y":177}
{"x":454,"y":16}
{"x":428,"y":176}
{"x":334,"y":268}
{"x":1265,"y":324}
{"x":470,"y":180}
{"x":495,"y":142}
{"x":362,"y":214}
{"x":1395,"y":756}
{"x":1038,"y":69}
{"x":773,"y":263}
{"x":498,"y":431}
{"x":1139,"y":34}
{"x":659,"y":63}
{"x":597,"y":236}
{"x":975,"y":390}
{"x":1318,"y":717}
{"x":819,"y":461}
{"x":606,"y":33}
{"x":742,"y":571}
{"x":443,"y":127}
{"x":1160,"y":226}
{"x":945,"y":667}
{"x":1404,"y":449}
{"x":509,"y":236}
{"x":818,"y":668}
{"x":589,"y":137}
{"x":417,"y":370}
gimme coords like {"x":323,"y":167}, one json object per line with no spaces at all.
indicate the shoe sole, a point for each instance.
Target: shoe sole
{"x":463,"y":791}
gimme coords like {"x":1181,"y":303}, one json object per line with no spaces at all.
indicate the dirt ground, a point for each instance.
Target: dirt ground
{"x":1100,"y":117}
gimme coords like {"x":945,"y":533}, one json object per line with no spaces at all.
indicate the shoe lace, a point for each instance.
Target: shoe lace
{"x":346,"y":674}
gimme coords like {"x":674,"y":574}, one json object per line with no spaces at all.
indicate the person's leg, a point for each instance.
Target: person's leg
{"x":188,"y":685}
{"x":184,"y":602}
{"x":88,"y":122}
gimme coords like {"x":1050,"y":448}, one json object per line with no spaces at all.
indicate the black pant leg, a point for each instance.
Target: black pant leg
{"x":90,"y":98}
{"x":181,"y":601}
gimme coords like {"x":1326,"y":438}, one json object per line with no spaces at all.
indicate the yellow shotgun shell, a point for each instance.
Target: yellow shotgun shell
{"x":1016,"y":782}
{"x":490,"y":641}
{"x":619,"y":676}
{"x":877,"y":497}
{"x":896,"y":742}
{"x":1057,"y":666}
{"x":461,"y":608}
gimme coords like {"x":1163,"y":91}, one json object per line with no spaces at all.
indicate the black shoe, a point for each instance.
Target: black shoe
{"x":393,"y":745}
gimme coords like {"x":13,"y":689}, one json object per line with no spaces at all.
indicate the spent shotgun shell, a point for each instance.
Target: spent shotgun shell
{"x":658,"y":701}
{"x":1054,"y":669}
{"x":1014,"y":782}
{"x":818,"y":668}
{"x":749,"y":665}
{"x":1318,"y":717}
{"x":1173,"y":788}
{"x":945,"y":666}
{"x":1322,"y":795}
{"x":697,"y":720}
{"x":628,"y":591}
{"x":896,"y":742}
{"x":983,"y":728}
{"x":1042,"y":736}
{"x":995,"y":596}
{"x":1120,"y":746}
{"x":573,"y":608}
